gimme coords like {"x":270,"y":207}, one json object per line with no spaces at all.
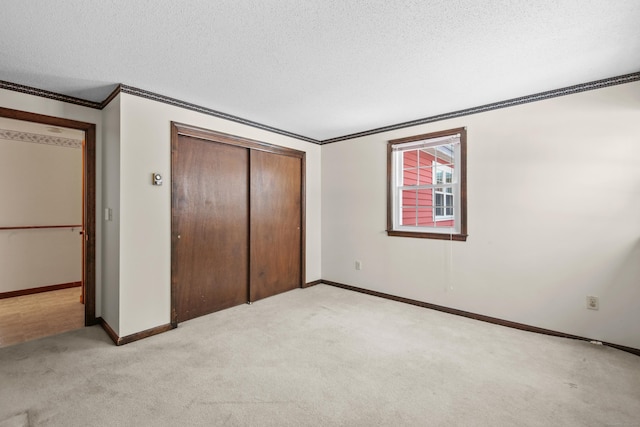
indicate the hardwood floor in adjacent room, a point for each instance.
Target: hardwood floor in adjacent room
{"x":28,"y":317}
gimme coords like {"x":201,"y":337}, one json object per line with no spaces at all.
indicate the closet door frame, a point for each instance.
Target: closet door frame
{"x":181,"y":129}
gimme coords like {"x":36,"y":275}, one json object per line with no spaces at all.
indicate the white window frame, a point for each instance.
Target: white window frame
{"x":455,"y":138}
{"x":444,"y":185}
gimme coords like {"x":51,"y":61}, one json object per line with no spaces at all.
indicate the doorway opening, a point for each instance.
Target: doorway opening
{"x":48,"y":299}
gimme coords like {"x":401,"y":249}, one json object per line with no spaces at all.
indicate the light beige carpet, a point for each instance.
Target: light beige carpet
{"x":318,"y":357}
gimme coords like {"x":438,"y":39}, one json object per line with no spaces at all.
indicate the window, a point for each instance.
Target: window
{"x":427,"y":186}
{"x":443,"y":196}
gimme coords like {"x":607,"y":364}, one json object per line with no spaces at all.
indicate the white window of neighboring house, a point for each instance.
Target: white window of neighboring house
{"x":427,"y":186}
{"x":443,"y":196}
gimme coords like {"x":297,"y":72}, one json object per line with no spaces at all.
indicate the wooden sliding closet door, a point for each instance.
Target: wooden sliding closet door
{"x":210,"y":227}
{"x":237,"y":213}
{"x":275,"y":223}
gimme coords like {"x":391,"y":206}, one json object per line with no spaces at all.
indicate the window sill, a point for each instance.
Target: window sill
{"x":423,"y":235}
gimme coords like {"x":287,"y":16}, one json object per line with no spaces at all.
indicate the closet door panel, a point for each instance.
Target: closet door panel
{"x":275,"y":223}
{"x":211,"y":227}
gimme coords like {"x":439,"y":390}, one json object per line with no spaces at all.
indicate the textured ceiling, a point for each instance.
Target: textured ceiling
{"x":319,"y":68}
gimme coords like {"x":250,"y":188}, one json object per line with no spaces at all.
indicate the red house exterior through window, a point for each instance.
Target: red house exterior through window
{"x":427,"y":185}
{"x":427,"y":206}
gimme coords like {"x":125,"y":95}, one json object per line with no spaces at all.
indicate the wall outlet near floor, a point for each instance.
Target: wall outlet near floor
{"x":593,"y":303}
{"x":358,"y":265}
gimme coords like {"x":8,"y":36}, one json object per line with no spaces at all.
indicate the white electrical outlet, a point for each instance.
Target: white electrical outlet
{"x":358,"y":265}
{"x":593,"y":303}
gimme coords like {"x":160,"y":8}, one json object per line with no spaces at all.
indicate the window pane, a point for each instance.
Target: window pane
{"x":409,"y":167}
{"x":446,"y":154}
{"x":409,"y":216}
{"x":417,"y":168}
{"x":444,"y":174}
{"x":409,"y":177}
{"x":439,"y":200}
{"x":424,"y":158}
{"x":425,"y":162}
{"x":425,"y":217}
{"x":425,"y":198}
{"x":445,"y":222}
{"x":409,"y":198}
{"x":430,"y":152}
{"x":424,"y":175}
{"x":449,"y":204}
{"x":410,"y":159}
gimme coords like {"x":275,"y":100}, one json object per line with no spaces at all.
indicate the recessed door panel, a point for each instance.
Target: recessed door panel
{"x":210,"y":226}
{"x":275,"y":223}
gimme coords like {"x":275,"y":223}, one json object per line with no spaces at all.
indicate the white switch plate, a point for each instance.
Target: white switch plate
{"x":358,"y":265}
{"x":108,"y":214}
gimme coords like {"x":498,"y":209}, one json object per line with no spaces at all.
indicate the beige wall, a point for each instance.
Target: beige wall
{"x":145,"y":210}
{"x":111,"y":200}
{"x":553,"y":216}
